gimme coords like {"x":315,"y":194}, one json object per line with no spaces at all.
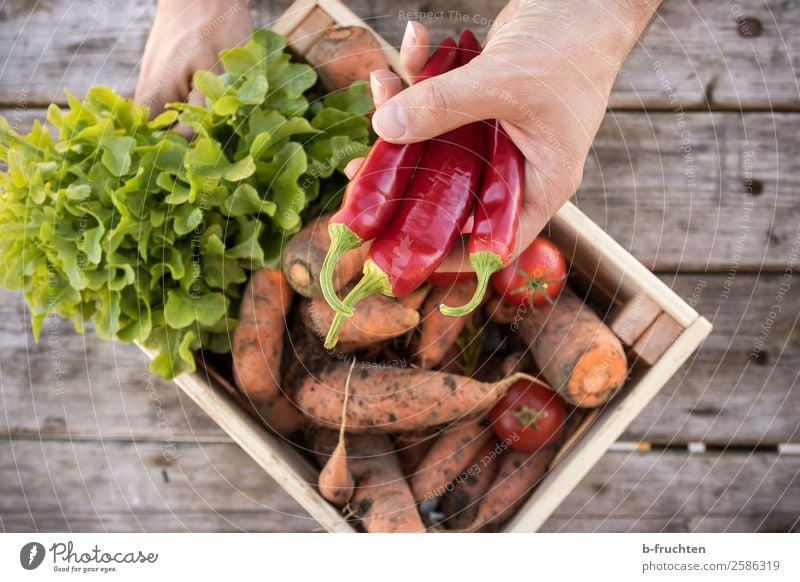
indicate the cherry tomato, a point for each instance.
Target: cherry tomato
{"x":529,"y":416}
{"x":535,"y":277}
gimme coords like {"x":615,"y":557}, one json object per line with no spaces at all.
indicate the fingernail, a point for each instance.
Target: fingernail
{"x":378,"y":92}
{"x":410,"y":35}
{"x":389,"y":121}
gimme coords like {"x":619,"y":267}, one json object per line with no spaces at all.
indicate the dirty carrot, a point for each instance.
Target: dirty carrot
{"x":258,"y":337}
{"x":460,"y":504}
{"x":303,"y":254}
{"x":415,"y":299}
{"x":438,"y":332}
{"x":578,"y":355}
{"x":391,"y":399}
{"x":374,"y":194}
{"x":281,"y":415}
{"x":502,"y":312}
{"x":518,"y":474}
{"x":382,"y":498}
{"x":447,"y":458}
{"x":336,"y":483}
{"x":411,"y":448}
{"x":377,"y":319}
{"x":345,"y":54}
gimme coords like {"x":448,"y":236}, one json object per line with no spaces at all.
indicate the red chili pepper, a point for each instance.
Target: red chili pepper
{"x":435,"y":207}
{"x":494,"y":231}
{"x":469,"y":47}
{"x":373,"y":196}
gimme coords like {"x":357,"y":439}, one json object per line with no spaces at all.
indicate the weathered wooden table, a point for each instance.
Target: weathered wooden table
{"x":695,"y":170}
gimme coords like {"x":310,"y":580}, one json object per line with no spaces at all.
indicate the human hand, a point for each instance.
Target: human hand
{"x":546,"y":72}
{"x":187,"y":37}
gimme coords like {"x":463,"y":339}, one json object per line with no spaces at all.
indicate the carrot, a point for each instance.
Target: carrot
{"x":258,"y":337}
{"x":281,"y":415}
{"x":345,"y":54}
{"x":518,"y":473}
{"x":460,"y":504}
{"x":415,"y":299}
{"x":500,"y":311}
{"x":578,"y":355}
{"x":303,"y":254}
{"x":335,"y":480}
{"x":411,"y":448}
{"x":516,"y":362}
{"x":390,"y":399}
{"x":438,"y":332}
{"x":376,"y":319}
{"x":448,"y":457}
{"x":382,"y":497}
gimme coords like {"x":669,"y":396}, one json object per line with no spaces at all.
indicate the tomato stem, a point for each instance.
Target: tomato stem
{"x":527,"y":416}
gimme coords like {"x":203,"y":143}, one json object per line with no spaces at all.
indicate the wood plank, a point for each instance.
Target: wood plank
{"x":79,"y":385}
{"x":662,"y":486}
{"x":703,"y":54}
{"x":129,"y":479}
{"x":121,"y":487}
{"x":636,"y":188}
{"x":729,"y":394}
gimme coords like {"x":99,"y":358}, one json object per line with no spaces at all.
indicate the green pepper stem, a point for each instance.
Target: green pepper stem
{"x":342,"y":240}
{"x":374,"y":281}
{"x":485,"y":264}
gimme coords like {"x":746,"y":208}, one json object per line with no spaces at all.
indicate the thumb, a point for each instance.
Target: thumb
{"x":437,"y":105}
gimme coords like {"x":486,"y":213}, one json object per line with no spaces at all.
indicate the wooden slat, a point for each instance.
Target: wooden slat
{"x":118,"y":486}
{"x":729,"y":394}
{"x":49,"y":47}
{"x":635,"y":187}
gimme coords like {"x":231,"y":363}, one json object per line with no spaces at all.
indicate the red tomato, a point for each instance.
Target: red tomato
{"x":535,"y":277}
{"x":529,"y":416}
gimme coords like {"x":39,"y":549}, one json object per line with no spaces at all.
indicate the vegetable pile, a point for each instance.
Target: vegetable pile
{"x":446,"y":399}
{"x":120,"y":220}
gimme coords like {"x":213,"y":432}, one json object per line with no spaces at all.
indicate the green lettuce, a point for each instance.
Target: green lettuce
{"x":111,"y":217}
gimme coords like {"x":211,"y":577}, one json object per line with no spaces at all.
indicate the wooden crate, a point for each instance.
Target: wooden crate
{"x":640,"y":302}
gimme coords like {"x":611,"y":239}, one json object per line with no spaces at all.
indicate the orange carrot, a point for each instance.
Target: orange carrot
{"x":460,"y":504}
{"x":415,"y":299}
{"x":519,"y":473}
{"x":516,"y":362}
{"x":303,"y":254}
{"x":345,"y":54}
{"x":438,"y":332}
{"x":258,"y":337}
{"x":336,"y":483}
{"x":500,"y":311}
{"x":377,"y":318}
{"x":281,"y":415}
{"x":578,"y":355}
{"x":412,"y":447}
{"x":391,"y":399}
{"x":448,"y":457}
{"x":382,"y":497}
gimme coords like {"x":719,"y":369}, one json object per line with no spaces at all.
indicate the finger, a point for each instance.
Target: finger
{"x":194,"y":98}
{"x":352,"y":167}
{"x":540,"y":202}
{"x":384,"y":85}
{"x":414,"y":48}
{"x":155,"y":94}
{"x":439,"y":104}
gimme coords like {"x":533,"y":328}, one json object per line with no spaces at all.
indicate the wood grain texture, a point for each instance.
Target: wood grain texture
{"x":128,"y":486}
{"x":702,"y":54}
